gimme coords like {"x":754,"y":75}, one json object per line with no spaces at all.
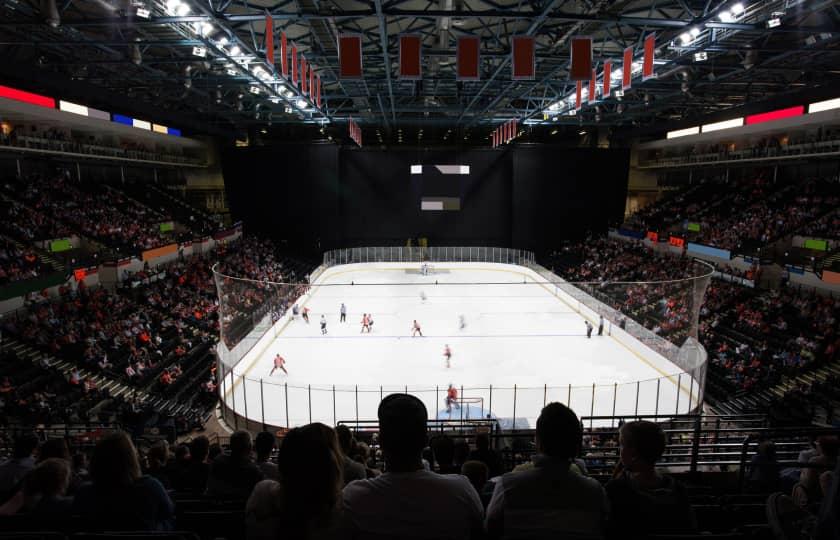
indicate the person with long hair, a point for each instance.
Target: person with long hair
{"x":306,"y":501}
{"x":119,"y":497}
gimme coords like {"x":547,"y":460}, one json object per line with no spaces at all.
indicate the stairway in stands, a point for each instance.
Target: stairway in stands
{"x":45,"y":258}
{"x":113,"y":387}
{"x":827,"y":400}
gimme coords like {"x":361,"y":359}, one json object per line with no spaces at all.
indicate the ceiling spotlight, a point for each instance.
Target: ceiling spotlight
{"x":554,"y":132}
{"x":774,"y":22}
{"x":235,"y":50}
{"x":50,"y":12}
{"x":582,"y":132}
{"x":136,"y":55}
{"x":206,"y":28}
{"x":222,"y":41}
{"x":143,"y":13}
{"x":694,"y":32}
{"x":737,"y":8}
{"x":701,"y":56}
{"x":726,"y":17}
{"x":686,"y":38}
{"x":182,"y":10}
{"x":301,"y":103}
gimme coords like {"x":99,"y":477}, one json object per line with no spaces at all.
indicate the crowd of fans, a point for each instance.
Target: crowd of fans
{"x":18,"y":264}
{"x":321,"y":483}
{"x":754,"y":337}
{"x":744,"y":214}
{"x":114,"y":220}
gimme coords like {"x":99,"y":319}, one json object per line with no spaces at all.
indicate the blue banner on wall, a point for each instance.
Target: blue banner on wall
{"x":631,"y":234}
{"x":708,"y":251}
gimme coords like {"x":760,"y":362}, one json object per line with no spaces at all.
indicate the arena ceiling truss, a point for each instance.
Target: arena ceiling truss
{"x":145,"y":50}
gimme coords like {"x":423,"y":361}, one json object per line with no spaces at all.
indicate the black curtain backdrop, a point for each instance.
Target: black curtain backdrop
{"x":319,"y":197}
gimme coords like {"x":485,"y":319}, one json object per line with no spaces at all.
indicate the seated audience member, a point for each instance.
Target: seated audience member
{"x":234,"y":474}
{"x":443,"y":448}
{"x":44,"y":491}
{"x":407,"y":501}
{"x":157,"y":459}
{"x":486,"y":455}
{"x":549,"y":500}
{"x":643,"y":501}
{"x":119,"y":496}
{"x":476,"y":473}
{"x":764,"y":469}
{"x":263,"y":446}
{"x":352,"y":470}
{"x":305,"y":503}
{"x":14,"y":469}
{"x":194,"y":477}
{"x":808,"y":490}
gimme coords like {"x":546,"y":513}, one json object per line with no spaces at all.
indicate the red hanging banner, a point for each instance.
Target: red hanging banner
{"x":284,"y":55}
{"x":627,"y":69}
{"x":410,"y":57}
{"x":593,"y":86}
{"x":581,"y":59}
{"x":522,"y":58}
{"x":350,"y":56}
{"x":318,"y":91}
{"x":269,"y":39}
{"x":312,"y":81}
{"x":578,"y":93}
{"x":303,"y":78}
{"x":467,"y":58}
{"x":294,"y":66}
{"x":647,"y":64}
{"x":605,"y":93}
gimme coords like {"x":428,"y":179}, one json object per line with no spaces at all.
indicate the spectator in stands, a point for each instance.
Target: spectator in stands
{"x":443,"y":448}
{"x":22,"y":461}
{"x":407,"y":500}
{"x":549,"y":498}
{"x":352,"y":470}
{"x":808,"y":489}
{"x":305,"y":502}
{"x":264,"y":445}
{"x":764,"y":469}
{"x":119,"y":496}
{"x":643,"y":501}
{"x":486,"y":455}
{"x":43,"y":492}
{"x":157,"y":459}
{"x":194,"y":478}
{"x":477,"y":473}
{"x":234,"y":474}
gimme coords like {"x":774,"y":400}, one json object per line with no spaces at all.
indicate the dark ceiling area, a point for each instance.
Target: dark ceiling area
{"x":144,"y":55}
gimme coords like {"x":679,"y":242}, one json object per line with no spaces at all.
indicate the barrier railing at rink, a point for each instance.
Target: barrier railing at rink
{"x":249,"y":310}
{"x":428,"y":254}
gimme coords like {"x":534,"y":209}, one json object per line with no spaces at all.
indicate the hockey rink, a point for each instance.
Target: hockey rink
{"x":515,"y":334}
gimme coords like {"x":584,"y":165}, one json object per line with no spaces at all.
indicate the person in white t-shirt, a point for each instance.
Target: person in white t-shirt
{"x":408,"y":501}
{"x":552,"y":499}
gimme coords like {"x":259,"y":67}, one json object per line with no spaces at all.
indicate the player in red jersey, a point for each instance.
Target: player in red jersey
{"x":365,"y":323}
{"x":451,"y":398}
{"x":415,"y":329}
{"x":305,"y":314}
{"x":279,"y":363}
{"x":447,"y":353}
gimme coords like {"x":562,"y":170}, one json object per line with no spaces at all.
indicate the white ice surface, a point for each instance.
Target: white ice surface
{"x":516,"y":334}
